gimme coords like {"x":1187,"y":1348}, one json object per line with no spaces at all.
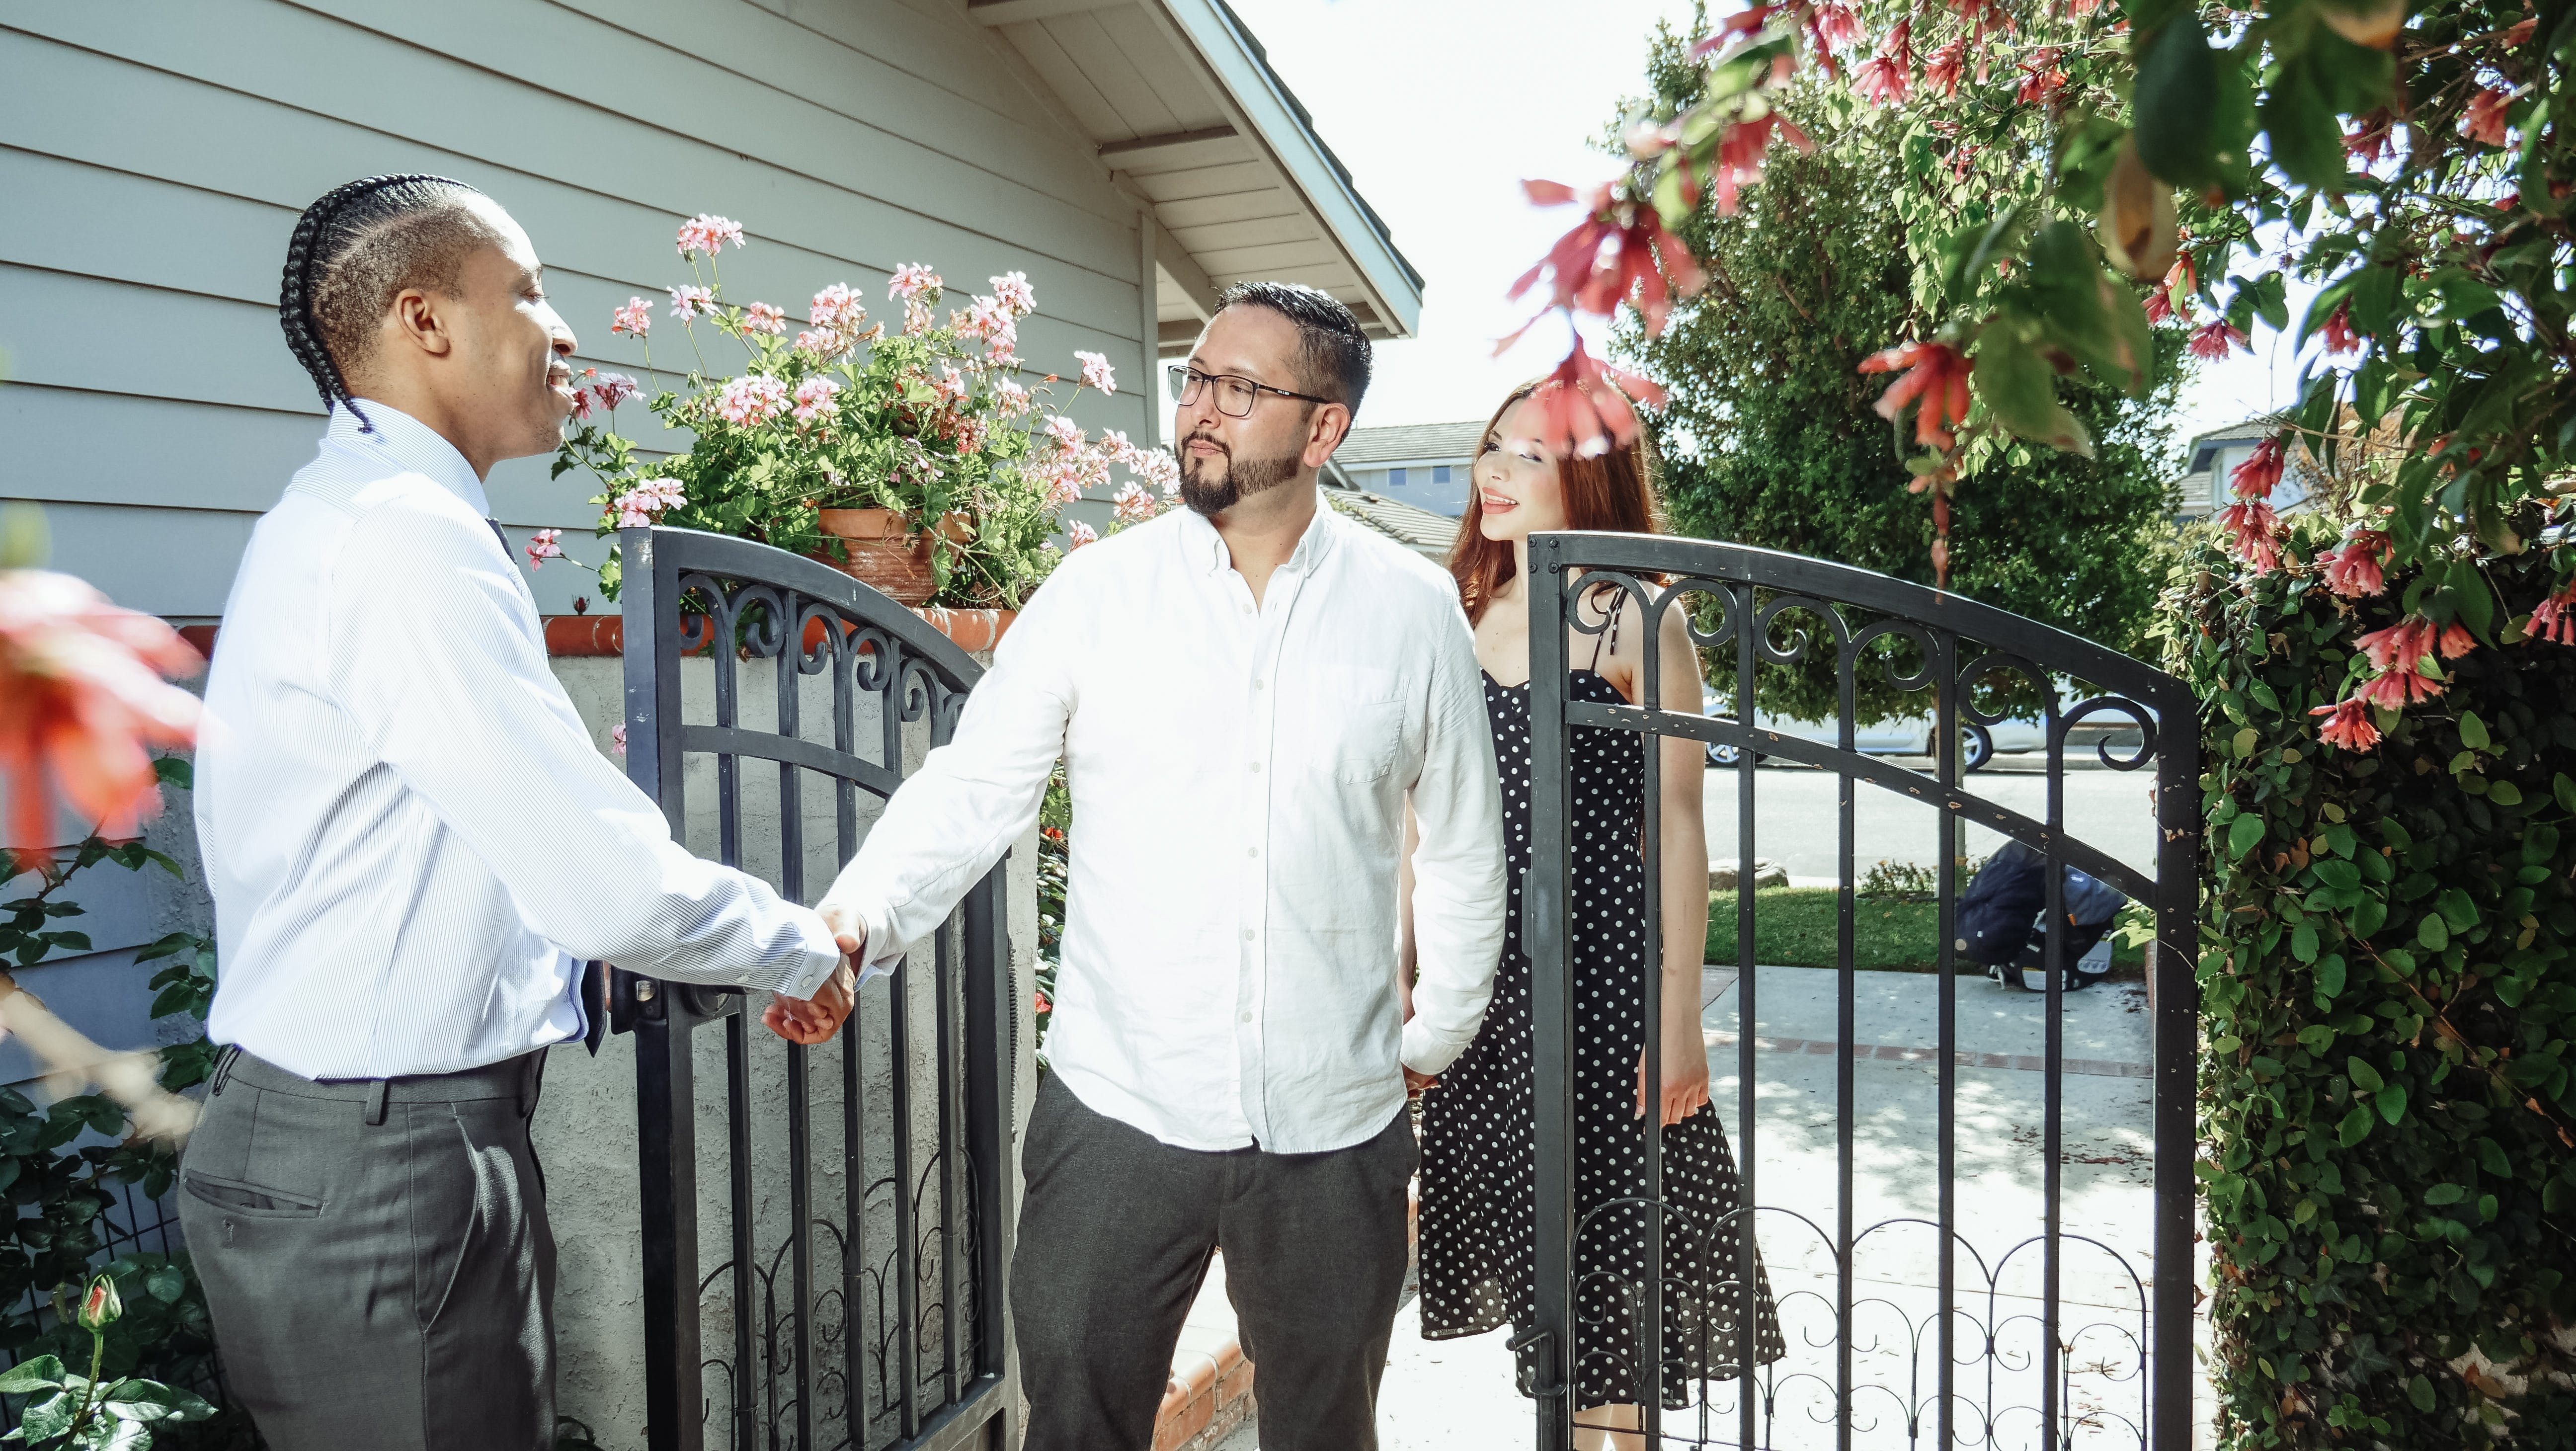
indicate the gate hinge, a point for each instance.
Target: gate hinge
{"x":1536,"y":1353}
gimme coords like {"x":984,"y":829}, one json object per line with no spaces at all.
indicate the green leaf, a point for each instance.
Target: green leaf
{"x":2420,"y":1392}
{"x":2355,"y":1127}
{"x":2243,"y":833}
{"x":2432,"y":932}
{"x":2307,"y":143}
{"x":42,"y":1373}
{"x":2391,"y":1101}
{"x":2457,"y":910}
{"x":2504,"y":793}
{"x":2020,"y":389}
{"x":2303,"y":942}
{"x":2330,"y":975}
{"x":165,"y":1283}
{"x":2565,"y":790}
{"x":2491,"y":1157}
{"x":2367,"y":918}
{"x":2177,"y":103}
{"x":2441,"y":1194}
{"x":2363,"y":1076}
{"x":2473,"y":732}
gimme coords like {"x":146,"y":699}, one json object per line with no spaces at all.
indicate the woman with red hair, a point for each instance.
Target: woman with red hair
{"x":1478,"y":1240}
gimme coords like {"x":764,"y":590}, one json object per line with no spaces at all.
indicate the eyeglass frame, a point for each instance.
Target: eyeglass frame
{"x":1180,"y":388}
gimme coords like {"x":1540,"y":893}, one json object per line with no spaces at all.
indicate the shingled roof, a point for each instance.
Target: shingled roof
{"x":1419,"y":530}
{"x":1409,"y":443}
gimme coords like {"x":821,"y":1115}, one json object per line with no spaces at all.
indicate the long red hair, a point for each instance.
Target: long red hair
{"x":1613,"y":493}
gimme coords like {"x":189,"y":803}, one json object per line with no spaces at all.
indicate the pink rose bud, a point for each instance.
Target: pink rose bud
{"x":100,"y":1308}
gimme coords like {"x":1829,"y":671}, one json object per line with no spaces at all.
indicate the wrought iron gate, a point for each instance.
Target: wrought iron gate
{"x":825,"y":1230}
{"x":1993,"y":1352}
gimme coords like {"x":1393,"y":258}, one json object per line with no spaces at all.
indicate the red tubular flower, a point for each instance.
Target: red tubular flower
{"x":2485,"y":118}
{"x":2350,"y":727}
{"x":2374,"y":138}
{"x":1585,"y":282}
{"x":2255,"y":478}
{"x":81,"y":701}
{"x":2400,"y":645}
{"x":1944,"y":68}
{"x":1887,"y":76}
{"x":2398,"y":689}
{"x":2159,"y":305}
{"x":2340,"y":338}
{"x":2354,"y":570}
{"x":1589,"y":406}
{"x":2554,"y":619}
{"x":1835,"y":24}
{"x":1935,"y":373}
{"x":1740,"y":154}
{"x":2257,"y":533}
{"x":2455,"y":641}
{"x":1742,"y":23}
{"x":2041,"y":78}
{"x":2213,"y":340}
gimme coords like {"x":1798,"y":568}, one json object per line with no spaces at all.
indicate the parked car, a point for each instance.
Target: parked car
{"x":1903,"y":736}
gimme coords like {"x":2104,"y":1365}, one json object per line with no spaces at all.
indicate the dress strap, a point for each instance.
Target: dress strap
{"x":1618,"y":602}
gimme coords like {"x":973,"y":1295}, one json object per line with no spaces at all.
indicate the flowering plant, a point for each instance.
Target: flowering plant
{"x":927,"y":420}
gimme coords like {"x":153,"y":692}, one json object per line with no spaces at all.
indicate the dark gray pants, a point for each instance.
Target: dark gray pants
{"x":1114,"y":1242}
{"x":376,"y":1256}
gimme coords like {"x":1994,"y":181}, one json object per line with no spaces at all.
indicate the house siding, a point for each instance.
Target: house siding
{"x":157,"y":152}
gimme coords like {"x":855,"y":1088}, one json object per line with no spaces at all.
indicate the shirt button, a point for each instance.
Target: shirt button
{"x":1256,"y":768}
{"x":1256,"y":682}
{"x":1247,"y":609}
{"x":1247,"y":934}
{"x":1252,"y":851}
{"x":1247,"y":1017}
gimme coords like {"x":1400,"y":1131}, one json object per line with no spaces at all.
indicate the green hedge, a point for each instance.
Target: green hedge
{"x":2387,"y":1106}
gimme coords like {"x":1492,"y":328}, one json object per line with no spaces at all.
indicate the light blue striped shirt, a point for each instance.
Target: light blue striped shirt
{"x":411,"y":841}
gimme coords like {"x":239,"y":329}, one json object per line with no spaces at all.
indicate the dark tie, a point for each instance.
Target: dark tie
{"x":498,"y":534}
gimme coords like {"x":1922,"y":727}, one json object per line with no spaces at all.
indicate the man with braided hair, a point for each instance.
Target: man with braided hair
{"x":417,"y":859}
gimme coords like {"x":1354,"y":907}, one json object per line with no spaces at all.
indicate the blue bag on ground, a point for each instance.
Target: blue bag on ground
{"x":1999,"y":917}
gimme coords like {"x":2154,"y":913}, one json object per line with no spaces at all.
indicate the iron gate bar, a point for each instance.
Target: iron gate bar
{"x":1752,"y":590}
{"x":753,"y":602}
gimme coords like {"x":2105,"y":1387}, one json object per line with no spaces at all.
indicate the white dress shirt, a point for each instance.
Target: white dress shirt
{"x":411,"y":841}
{"x":1239,"y":775}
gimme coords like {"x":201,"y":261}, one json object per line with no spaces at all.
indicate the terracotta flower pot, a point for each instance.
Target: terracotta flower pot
{"x":884,"y":552}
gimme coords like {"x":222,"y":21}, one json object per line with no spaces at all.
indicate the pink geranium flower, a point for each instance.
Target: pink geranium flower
{"x":688,"y":302}
{"x":615,"y":388}
{"x":816,"y":400}
{"x":1014,"y":399}
{"x":751,"y":399}
{"x":1096,"y":372}
{"x":636,"y":317}
{"x":1067,"y":433}
{"x":708,"y":234}
{"x":760,"y":317}
{"x":617,"y":738}
{"x":646,"y":502}
{"x":82,"y":702}
{"x":543,"y":545}
{"x":1078,"y":534}
{"x":837,"y":309}
{"x":1012,"y":290}
{"x":1134,"y":505}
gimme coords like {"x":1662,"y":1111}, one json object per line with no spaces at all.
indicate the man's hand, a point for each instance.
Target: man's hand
{"x":813,"y":1020}
{"x":1416,"y":1084}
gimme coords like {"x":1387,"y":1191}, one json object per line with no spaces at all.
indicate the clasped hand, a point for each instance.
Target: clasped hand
{"x":809,"y":1021}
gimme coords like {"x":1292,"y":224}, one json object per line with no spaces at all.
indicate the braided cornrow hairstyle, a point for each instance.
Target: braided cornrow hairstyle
{"x":353,"y":251}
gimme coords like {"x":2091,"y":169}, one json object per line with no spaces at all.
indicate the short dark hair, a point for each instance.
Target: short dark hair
{"x":1331,"y":349}
{"x":357,"y":247}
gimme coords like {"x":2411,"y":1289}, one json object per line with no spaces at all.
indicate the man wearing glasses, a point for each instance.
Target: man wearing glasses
{"x":1247,"y":695}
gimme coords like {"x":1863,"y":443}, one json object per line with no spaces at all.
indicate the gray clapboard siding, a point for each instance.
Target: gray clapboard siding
{"x":75,"y":447}
{"x":934,"y":42}
{"x":838,"y":180}
{"x":532,"y":84}
{"x":176,"y":562}
{"x":226,"y":245}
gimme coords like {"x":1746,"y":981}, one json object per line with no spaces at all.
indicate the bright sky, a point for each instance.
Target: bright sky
{"x":1441,"y":107}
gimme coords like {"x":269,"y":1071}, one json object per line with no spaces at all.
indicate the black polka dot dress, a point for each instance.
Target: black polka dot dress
{"x":1478,"y":1239}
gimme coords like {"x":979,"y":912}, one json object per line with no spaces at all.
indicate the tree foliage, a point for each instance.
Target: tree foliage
{"x":1769,"y":435}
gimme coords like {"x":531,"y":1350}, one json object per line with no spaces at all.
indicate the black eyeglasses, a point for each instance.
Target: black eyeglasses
{"x":1234,"y":396}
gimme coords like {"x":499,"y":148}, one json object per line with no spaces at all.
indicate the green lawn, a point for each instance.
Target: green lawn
{"x":1795,"y":927}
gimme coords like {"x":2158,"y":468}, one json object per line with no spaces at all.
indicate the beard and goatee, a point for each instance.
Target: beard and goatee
{"x":1210,"y":487}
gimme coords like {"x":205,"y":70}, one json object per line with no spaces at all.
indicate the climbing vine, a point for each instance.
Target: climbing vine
{"x":2388,"y":969}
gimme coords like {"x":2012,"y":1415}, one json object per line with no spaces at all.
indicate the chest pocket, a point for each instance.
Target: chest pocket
{"x":1349,"y":726}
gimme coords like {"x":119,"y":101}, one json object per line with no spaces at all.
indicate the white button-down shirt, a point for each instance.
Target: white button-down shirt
{"x":1239,"y":773}
{"x":411,"y":841}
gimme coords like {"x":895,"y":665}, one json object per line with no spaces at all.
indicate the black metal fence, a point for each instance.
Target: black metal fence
{"x":825,"y":1230}
{"x":1960,"y":1327}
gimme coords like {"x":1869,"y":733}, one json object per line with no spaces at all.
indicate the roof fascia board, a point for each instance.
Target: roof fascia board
{"x":1013,"y":12}
{"x":1204,"y":29}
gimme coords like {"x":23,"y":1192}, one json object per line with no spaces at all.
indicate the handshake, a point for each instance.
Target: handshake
{"x":808,"y":1021}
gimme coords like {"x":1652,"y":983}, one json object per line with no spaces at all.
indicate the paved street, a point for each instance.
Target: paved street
{"x":1796,"y":822}
{"x":1457,"y":1395}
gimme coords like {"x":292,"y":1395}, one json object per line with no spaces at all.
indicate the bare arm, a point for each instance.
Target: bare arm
{"x":1684,"y":879}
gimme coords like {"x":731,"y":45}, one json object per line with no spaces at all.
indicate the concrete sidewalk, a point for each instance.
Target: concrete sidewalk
{"x":1458,"y":1395}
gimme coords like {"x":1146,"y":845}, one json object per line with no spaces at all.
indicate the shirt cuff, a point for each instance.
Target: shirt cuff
{"x":1427,"y":1053}
{"x":815,"y":958}
{"x":880,"y":953}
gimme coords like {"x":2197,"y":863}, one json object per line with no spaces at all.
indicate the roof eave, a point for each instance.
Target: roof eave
{"x":1272,"y":117}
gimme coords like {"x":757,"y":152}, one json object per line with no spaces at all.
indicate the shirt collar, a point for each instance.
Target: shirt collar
{"x":404,"y":444}
{"x":1203,"y":546}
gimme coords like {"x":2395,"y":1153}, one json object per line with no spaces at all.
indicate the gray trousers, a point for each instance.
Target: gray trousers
{"x":1115,"y":1235}
{"x":376,"y":1256}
